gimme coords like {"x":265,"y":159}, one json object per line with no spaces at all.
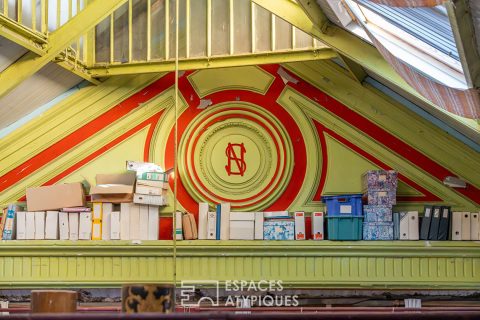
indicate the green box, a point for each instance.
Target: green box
{"x":345,"y":227}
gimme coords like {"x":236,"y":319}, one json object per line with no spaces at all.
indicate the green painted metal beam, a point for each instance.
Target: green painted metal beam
{"x":57,"y":41}
{"x":309,"y":264}
{"x":213,"y":62}
{"x":315,"y":13}
{"x":356,"y":71}
{"x":23,"y":36}
{"x":461,"y":21}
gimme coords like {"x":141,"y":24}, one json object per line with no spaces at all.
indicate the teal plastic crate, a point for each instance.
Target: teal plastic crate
{"x":345,"y":227}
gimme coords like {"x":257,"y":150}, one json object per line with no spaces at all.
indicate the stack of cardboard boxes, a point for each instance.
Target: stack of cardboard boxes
{"x":380,"y":191}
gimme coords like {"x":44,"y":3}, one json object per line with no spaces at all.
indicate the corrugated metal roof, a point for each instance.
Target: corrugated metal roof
{"x":429,"y":25}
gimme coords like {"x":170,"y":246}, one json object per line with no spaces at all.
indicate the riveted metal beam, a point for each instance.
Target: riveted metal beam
{"x":57,"y":41}
{"x":461,"y":21}
{"x":213,"y":62}
{"x":315,"y":13}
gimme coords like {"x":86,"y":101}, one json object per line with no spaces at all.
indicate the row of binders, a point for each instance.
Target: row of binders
{"x":128,"y":222}
{"x":439,"y":223}
{"x":224,"y":224}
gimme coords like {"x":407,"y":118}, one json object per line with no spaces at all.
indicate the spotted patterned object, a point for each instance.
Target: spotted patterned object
{"x":140,"y":298}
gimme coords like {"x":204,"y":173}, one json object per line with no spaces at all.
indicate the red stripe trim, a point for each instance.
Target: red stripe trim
{"x":85,"y":132}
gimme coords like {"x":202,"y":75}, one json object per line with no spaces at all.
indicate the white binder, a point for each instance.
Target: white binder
{"x":259,"y":225}
{"x":51,"y":225}
{"x":125,"y":221}
{"x":202,"y":220}
{"x":474,"y":226}
{"x":73,"y":225}
{"x":413,"y":226}
{"x":143,"y":222}
{"x":404,"y":225}
{"x":317,"y":226}
{"x":85,"y":226}
{"x":30,"y":225}
{"x":225,"y":221}
{"x":115,"y":225}
{"x":153,"y":223}
{"x":21,"y":225}
{"x":466,"y":226}
{"x":106,"y":220}
{"x":457,"y":225}
{"x":134,"y":222}
{"x":212,"y":225}
{"x":300,"y":226}
{"x":39,"y":225}
{"x":63,"y":225}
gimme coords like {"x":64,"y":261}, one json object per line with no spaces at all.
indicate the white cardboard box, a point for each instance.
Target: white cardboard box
{"x":404,"y":225}
{"x":300,"y":226}
{"x":474,"y":226}
{"x":466,"y":226}
{"x":134,"y":222}
{"x":225,"y":221}
{"x":242,"y":225}
{"x":73,"y":225}
{"x":413,"y":226}
{"x":51,"y":225}
{"x":202,"y":220}
{"x":85,"y":226}
{"x":125,"y":221}
{"x":178,"y":226}
{"x":259,"y":218}
{"x":153,"y":223}
{"x":30,"y":225}
{"x":143,"y":222}
{"x":39,"y":225}
{"x":212,"y":225}
{"x":317,"y":226}
{"x":457,"y":225}
{"x":63,"y":225}
{"x":21,"y":225}
{"x":115,"y":225}
{"x":107,"y":209}
{"x":149,"y":199}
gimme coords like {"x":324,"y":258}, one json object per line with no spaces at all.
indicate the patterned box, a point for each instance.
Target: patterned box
{"x":279,"y":229}
{"x":380,"y":197}
{"x":380,"y":180}
{"x":377,"y":213}
{"x":378,"y":231}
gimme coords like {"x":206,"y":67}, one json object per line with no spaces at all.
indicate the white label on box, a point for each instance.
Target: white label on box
{"x":345,"y":209}
{"x":73,"y":225}
{"x":382,"y":177}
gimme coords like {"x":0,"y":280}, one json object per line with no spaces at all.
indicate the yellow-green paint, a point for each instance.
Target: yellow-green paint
{"x":209,"y":81}
{"x":309,"y":264}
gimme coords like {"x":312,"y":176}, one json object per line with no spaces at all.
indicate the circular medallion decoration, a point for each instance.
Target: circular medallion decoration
{"x":238,"y":153}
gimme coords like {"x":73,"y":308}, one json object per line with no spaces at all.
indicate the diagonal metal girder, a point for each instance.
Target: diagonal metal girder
{"x":58,"y":40}
{"x":23,"y":36}
{"x":461,"y":21}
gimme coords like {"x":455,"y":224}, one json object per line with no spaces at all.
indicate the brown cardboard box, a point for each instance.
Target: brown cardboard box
{"x":189,"y":227}
{"x":115,"y":188}
{"x":55,"y":197}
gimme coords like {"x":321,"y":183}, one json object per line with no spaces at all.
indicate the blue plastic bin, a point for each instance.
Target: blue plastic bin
{"x":345,"y":228}
{"x":343,"y":205}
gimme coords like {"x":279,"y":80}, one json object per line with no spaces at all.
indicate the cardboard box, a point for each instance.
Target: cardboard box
{"x":55,"y":197}
{"x":300,"y":226}
{"x":189,"y":227}
{"x":380,"y":179}
{"x":151,"y":200}
{"x":242,"y":225}
{"x":142,"y":167}
{"x":114,"y":188}
{"x":317,"y":226}
{"x":152,"y":183}
{"x":279,"y":229}
{"x":377,"y":213}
